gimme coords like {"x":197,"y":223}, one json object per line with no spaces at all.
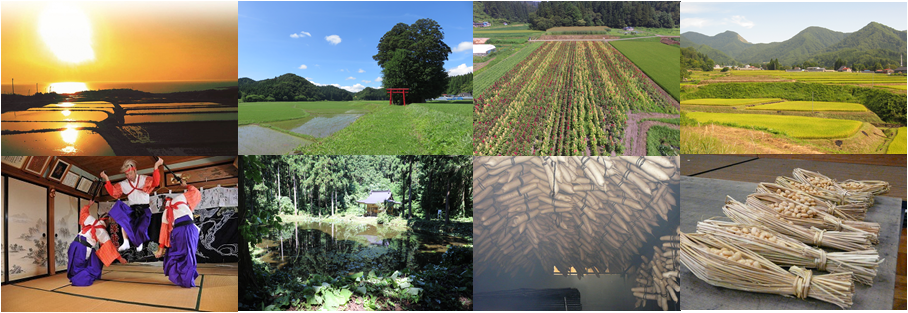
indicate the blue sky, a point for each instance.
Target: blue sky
{"x":778,"y":21}
{"x":332,"y":43}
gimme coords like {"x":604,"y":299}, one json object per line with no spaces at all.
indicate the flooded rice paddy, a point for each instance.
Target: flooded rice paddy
{"x":318,"y":125}
{"x":85,"y":127}
{"x":335,"y":249}
{"x":254,"y":139}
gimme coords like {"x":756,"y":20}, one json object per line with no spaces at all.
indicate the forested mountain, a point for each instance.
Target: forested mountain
{"x":371,"y":94}
{"x":289,"y":87}
{"x":874,"y":43}
{"x":503,"y":11}
{"x":614,"y":14}
{"x":692,"y":59}
{"x":459,"y":84}
{"x":718,"y":56}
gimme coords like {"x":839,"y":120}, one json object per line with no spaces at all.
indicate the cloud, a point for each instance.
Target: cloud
{"x":300,"y":35}
{"x":360,"y":71}
{"x":308,"y":78}
{"x":694,"y":22}
{"x":351,"y":77}
{"x":463,"y":46}
{"x":333,"y":39}
{"x":367,"y":81}
{"x":740,"y":21}
{"x":460,"y":70}
{"x":303,"y":67}
{"x":354,"y":88}
{"x":379,"y":79}
{"x":693,"y":8}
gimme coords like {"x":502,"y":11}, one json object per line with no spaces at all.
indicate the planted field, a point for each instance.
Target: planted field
{"x":262,"y":112}
{"x":728,"y":102}
{"x":896,"y":87}
{"x":806,"y":77}
{"x":566,"y":98}
{"x":659,"y":61}
{"x":811,"y":106}
{"x":493,"y":72}
{"x":794,"y":126}
{"x":898,"y":145}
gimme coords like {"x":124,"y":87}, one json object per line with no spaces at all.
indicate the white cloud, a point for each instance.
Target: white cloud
{"x":333,"y":39}
{"x":351,"y":77}
{"x":379,"y":79}
{"x":303,"y":67}
{"x":308,"y":78}
{"x":360,"y":71}
{"x":367,"y":81}
{"x":354,"y":88}
{"x":460,"y":70}
{"x":740,"y":21}
{"x":300,"y":35}
{"x":694,"y":22}
{"x":463,"y":46}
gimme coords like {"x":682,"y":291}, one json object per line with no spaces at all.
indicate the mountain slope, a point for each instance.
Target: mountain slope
{"x":289,"y":87}
{"x":728,"y":42}
{"x":718,"y":56}
{"x":808,"y":42}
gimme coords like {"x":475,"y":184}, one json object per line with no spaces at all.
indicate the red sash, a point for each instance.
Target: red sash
{"x":91,"y":228}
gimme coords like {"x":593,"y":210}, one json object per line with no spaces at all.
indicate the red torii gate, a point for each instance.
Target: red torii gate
{"x":392,"y":91}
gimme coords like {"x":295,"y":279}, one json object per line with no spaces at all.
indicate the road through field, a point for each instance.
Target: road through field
{"x":635,"y":132}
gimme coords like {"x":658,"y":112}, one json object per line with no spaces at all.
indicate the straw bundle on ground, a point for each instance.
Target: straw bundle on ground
{"x":823,"y":194}
{"x":846,"y":241}
{"x":726,"y":264}
{"x":803,"y":215}
{"x":785,"y":251}
{"x":852,"y":212}
{"x":658,"y":279}
{"x":592,"y":214}
{"x":850,"y":196}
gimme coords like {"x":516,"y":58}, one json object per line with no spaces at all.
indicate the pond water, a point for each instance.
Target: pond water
{"x":254,"y":139}
{"x":53,"y":116}
{"x":67,"y":142}
{"x":162,"y":117}
{"x":335,"y":249}
{"x":318,"y":125}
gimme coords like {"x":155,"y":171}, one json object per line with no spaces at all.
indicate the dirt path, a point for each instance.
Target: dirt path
{"x":478,"y":66}
{"x":635,"y":132}
{"x":604,"y":40}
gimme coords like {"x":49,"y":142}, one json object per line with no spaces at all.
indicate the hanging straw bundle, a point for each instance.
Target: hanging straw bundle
{"x":803,"y":215}
{"x":851,"y":212}
{"x":726,"y":264}
{"x":785,"y":251}
{"x":846,"y":241}
{"x":823,"y":194}
{"x":578,"y":214}
{"x":820,"y":181}
{"x":658,"y":279}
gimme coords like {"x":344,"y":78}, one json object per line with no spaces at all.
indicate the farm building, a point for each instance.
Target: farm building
{"x":885,"y":71}
{"x":844,"y":69}
{"x":379,"y":201}
{"x":900,"y":70}
{"x":465,"y":94}
{"x":816,"y":69}
{"x":482,"y":24}
{"x":479,"y":41}
{"x":482,"y":50}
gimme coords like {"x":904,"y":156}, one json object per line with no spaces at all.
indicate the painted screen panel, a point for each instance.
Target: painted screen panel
{"x":66,"y":226}
{"x":27,"y":213}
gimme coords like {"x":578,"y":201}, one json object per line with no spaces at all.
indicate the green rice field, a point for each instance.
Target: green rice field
{"x":898,"y":145}
{"x":659,"y":61}
{"x":728,"y":102}
{"x":794,"y":126}
{"x":811,"y":106}
{"x":808,"y":77}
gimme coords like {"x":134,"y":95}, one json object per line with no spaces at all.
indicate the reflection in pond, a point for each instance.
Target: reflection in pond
{"x":333,"y":249}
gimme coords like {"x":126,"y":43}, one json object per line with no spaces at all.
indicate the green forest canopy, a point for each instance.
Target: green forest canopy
{"x":290,"y":87}
{"x":614,"y":14}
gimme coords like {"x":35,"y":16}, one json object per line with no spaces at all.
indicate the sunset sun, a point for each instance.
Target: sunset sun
{"x":67,"y":32}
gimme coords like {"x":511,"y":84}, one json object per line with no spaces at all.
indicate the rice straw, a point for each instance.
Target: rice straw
{"x":766,"y":277}
{"x":850,"y":212}
{"x":821,"y":220}
{"x":786,"y":251}
{"x":821,"y":181}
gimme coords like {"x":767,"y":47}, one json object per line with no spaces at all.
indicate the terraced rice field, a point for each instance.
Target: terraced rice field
{"x":898,"y":145}
{"x":811,"y":106}
{"x":794,"y":126}
{"x":729,"y":102}
{"x":566,"y":98}
{"x":809,"y":77}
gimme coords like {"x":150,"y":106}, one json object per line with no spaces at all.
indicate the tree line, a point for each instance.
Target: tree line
{"x":614,"y":14}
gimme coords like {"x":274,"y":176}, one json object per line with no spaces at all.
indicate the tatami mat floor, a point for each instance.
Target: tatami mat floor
{"x":127,"y":287}
{"x":758,"y":168}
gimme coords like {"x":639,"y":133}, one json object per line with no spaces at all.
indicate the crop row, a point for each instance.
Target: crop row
{"x":566,"y":98}
{"x":493,"y":73}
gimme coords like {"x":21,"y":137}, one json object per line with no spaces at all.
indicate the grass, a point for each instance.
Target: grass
{"x":728,"y":102}
{"x":417,"y":129}
{"x":806,"y":77}
{"x":664,"y":141}
{"x":898,"y":145}
{"x":260,"y":112}
{"x":811,"y":106}
{"x":794,"y":126}
{"x":659,"y":62}
{"x":498,"y":67}
{"x":897,"y":87}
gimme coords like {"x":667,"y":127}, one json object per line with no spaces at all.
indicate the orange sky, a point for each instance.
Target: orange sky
{"x":132,"y":41}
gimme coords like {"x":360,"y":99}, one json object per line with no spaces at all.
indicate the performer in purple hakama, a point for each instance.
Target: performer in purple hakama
{"x":135,"y":216}
{"x":85,"y":263}
{"x":181,"y":236}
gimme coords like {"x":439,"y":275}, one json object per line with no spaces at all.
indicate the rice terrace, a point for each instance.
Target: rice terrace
{"x":554,"y":89}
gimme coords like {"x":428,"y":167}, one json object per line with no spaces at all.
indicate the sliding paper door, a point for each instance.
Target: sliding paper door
{"x":27,"y":227}
{"x":66,"y":226}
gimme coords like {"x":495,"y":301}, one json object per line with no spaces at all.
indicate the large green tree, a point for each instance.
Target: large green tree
{"x":413,"y":56}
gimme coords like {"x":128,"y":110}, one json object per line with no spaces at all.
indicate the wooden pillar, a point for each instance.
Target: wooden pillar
{"x":51,"y":243}
{"x":405,"y":96}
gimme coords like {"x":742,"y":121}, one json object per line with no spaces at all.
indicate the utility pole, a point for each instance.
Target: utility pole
{"x":14,"y":86}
